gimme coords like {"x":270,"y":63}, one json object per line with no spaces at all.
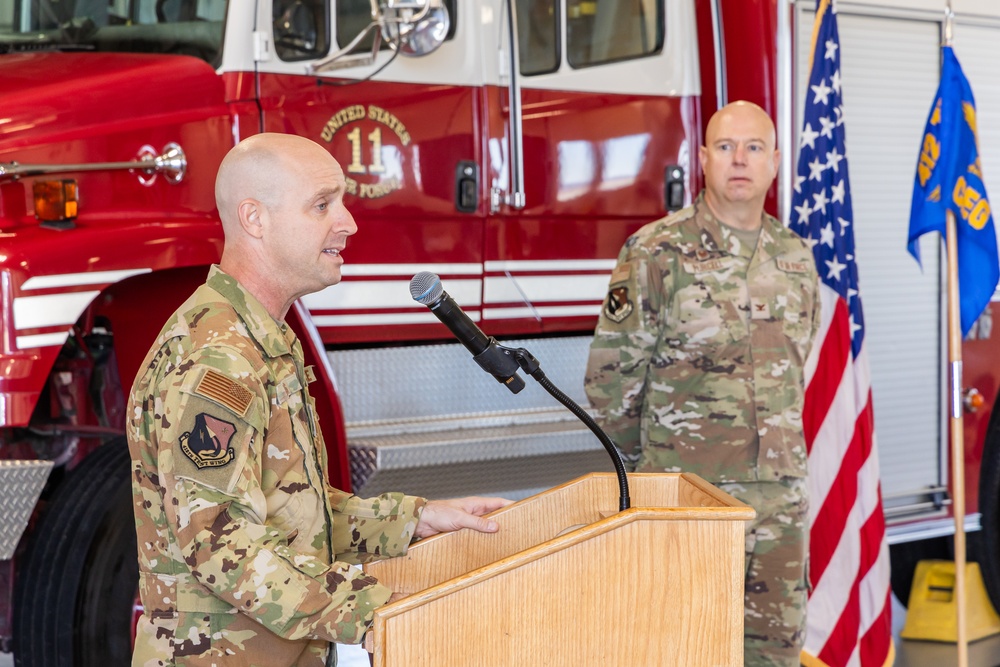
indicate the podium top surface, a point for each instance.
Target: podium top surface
{"x":558,"y":518}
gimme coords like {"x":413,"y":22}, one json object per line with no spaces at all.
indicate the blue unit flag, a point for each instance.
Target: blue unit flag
{"x":949,"y":177}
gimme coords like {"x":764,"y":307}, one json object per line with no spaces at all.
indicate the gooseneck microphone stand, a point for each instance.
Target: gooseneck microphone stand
{"x":530,"y":365}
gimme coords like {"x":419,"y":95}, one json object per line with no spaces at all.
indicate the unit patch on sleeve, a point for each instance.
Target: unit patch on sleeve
{"x":223,"y":390}
{"x":618,"y":306}
{"x":207,"y":444}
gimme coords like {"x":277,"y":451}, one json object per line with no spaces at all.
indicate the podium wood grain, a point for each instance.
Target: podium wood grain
{"x":569,"y":580}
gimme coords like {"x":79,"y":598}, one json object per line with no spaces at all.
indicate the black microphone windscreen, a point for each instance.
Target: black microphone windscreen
{"x":425,"y":287}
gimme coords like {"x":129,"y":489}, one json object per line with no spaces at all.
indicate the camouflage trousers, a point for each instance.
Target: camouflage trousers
{"x":777,"y":553}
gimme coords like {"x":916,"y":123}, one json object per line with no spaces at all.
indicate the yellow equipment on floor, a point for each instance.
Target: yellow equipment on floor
{"x":931,"y":612}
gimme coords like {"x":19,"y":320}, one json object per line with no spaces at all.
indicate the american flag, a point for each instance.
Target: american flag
{"x":849,"y":613}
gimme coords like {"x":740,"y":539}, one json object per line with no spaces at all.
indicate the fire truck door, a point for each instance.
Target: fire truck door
{"x":608,"y":133}
{"x":405,"y":131}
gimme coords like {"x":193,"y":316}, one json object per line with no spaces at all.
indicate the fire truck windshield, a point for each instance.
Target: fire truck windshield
{"x":182,"y":27}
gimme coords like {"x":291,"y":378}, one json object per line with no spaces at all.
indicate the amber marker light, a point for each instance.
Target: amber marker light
{"x":973,"y":400}
{"x":56,"y":201}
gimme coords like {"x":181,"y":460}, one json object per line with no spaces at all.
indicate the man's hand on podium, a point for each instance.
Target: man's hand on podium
{"x":443,"y":516}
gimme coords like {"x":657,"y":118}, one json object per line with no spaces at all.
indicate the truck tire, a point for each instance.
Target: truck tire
{"x":989,"y":508}
{"x":77,"y":589}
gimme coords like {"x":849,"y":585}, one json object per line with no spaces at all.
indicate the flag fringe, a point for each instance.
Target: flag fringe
{"x":808,"y":660}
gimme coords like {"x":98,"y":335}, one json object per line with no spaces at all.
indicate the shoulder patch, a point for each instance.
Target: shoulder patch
{"x":208,"y":442}
{"x":618,"y":306}
{"x":621,"y":273}
{"x":228,"y":392}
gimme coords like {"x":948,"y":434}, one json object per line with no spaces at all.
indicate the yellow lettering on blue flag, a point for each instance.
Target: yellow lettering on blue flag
{"x":949,"y":163}
{"x":928,"y":157}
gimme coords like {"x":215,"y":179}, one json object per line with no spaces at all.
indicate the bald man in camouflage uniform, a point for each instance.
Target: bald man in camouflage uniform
{"x":244,"y":548}
{"x":697,"y":364}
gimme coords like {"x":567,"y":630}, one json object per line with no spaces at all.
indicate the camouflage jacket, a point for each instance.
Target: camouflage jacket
{"x":697,"y":361}
{"x":244,"y":547}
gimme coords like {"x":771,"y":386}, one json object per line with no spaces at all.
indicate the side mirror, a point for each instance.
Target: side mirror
{"x":414,"y":28}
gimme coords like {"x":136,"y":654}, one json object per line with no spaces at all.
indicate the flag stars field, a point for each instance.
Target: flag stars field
{"x":828,"y":127}
{"x":809,"y":136}
{"x":838,"y":193}
{"x":826,"y":234}
{"x":834,"y":273}
{"x":831,"y":50}
{"x":822,"y":92}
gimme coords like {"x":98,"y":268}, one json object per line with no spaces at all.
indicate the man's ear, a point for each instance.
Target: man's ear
{"x":777,"y":162}
{"x":251,"y":213}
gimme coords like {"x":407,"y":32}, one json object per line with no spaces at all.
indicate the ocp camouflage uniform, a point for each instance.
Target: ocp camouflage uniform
{"x":697,"y":366}
{"x":244,"y":547}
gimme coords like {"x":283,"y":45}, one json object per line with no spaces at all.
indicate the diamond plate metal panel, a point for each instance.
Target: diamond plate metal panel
{"x":442,"y":380}
{"x":488,"y":455}
{"x":428,"y":421}
{"x":21,"y":483}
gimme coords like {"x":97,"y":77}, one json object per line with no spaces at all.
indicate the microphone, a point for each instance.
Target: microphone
{"x":425,"y":288}
{"x":503,"y":363}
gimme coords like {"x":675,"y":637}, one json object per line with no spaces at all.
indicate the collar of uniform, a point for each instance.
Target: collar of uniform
{"x":264,"y":329}
{"x":710,"y":231}
{"x":768,"y":245}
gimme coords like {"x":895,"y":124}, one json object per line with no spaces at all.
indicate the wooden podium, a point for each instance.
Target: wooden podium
{"x":569,"y":580}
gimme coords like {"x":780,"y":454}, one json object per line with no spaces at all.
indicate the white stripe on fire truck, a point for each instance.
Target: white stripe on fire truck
{"x":539,"y":289}
{"x":32,"y":312}
{"x":41,"y":340}
{"x":587,"y":290}
{"x":561,"y":265}
{"x":74,"y":279}
{"x":379,"y":294}
{"x":542,"y":311}
{"x":425,"y":317}
{"x":409,"y":269}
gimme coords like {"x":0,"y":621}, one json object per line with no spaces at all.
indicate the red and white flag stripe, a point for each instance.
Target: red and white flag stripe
{"x":849,"y":614}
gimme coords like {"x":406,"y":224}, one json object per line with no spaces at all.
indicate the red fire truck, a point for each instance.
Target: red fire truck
{"x":509,"y":147}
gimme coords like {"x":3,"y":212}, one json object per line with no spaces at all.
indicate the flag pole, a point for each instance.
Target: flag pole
{"x":957,"y":437}
{"x":956,"y":426}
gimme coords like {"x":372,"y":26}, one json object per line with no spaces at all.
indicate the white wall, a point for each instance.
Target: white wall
{"x":987,"y":8}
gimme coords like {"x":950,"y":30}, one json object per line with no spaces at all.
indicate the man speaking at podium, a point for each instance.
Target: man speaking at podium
{"x":244,"y":548}
{"x":697,"y":363}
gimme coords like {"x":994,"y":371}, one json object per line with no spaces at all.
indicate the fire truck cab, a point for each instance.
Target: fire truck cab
{"x":509,"y":146}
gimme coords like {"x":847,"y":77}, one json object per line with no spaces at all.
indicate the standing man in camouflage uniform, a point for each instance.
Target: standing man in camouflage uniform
{"x":244,"y":548}
{"x":697,"y":363}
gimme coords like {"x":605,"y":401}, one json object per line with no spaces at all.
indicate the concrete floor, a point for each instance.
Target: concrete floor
{"x":982,"y":653}
{"x":910,"y":653}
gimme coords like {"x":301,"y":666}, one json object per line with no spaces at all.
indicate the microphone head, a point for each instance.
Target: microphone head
{"x":425,"y":287}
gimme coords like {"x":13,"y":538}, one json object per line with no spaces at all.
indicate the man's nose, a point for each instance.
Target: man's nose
{"x":347,"y":224}
{"x":740,"y":155}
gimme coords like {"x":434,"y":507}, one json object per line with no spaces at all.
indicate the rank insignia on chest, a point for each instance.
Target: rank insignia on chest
{"x":759,"y":309}
{"x":617,"y":306}
{"x":207,"y":444}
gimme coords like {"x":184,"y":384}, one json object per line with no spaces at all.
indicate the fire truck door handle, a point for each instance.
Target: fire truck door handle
{"x":466,"y":186}
{"x":674,"y":188}
{"x":514,"y":198}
